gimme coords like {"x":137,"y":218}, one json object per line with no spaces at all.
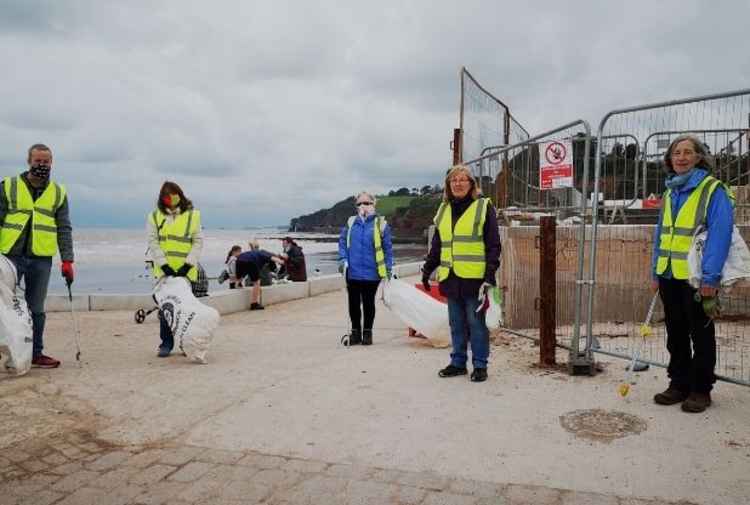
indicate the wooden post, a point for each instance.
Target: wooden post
{"x":457,"y":146}
{"x":547,"y":290}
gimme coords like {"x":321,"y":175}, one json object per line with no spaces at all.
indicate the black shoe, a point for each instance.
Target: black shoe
{"x":163,"y":351}
{"x":366,"y":337}
{"x":256,"y":306}
{"x":479,"y":375}
{"x":696,"y":402}
{"x":355,"y":337}
{"x":670,"y":396}
{"x":452,"y":371}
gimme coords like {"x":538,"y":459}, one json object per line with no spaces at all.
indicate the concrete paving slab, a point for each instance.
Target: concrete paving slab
{"x":281,"y":395}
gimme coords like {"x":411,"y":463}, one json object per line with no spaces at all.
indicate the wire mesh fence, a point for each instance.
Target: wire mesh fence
{"x":486,"y":125}
{"x":621,"y":258}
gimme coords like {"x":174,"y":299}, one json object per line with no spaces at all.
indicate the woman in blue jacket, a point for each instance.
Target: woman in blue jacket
{"x":365,"y":257}
{"x":693,"y":200}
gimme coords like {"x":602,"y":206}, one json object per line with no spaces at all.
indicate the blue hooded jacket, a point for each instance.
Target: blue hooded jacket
{"x":720,"y":224}
{"x":361,"y":255}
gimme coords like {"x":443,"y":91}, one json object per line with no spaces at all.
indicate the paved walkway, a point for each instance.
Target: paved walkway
{"x":281,"y":415}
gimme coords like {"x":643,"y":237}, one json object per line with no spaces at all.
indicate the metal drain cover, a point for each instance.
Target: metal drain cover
{"x":602,"y":425}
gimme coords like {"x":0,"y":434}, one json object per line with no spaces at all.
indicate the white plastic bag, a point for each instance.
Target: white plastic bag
{"x":494,"y":316}
{"x":419,"y":311}
{"x":16,"y":334}
{"x":737,"y":266}
{"x":192,"y":323}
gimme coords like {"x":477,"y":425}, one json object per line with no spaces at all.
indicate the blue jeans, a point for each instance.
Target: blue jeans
{"x":468,"y":326}
{"x":35,"y":274}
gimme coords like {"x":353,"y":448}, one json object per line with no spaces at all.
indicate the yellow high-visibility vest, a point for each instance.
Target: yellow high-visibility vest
{"x":677,"y":234}
{"x":377,"y":231}
{"x":176,"y":239}
{"x":462,"y":246}
{"x":22,"y":207}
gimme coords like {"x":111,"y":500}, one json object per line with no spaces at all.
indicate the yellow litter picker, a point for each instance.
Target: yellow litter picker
{"x":635,"y":366}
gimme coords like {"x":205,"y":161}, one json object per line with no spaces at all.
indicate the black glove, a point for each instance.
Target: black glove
{"x":426,"y":281}
{"x":184,"y":269}
{"x":168,"y":271}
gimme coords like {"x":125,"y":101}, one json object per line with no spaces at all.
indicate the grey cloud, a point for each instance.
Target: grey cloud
{"x":277,"y":109}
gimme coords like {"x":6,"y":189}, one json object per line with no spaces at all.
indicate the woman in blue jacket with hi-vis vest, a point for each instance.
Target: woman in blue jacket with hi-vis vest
{"x":693,"y":199}
{"x":365,"y":258}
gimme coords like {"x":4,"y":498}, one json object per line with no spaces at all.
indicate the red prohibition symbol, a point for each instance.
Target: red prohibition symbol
{"x":555,"y":153}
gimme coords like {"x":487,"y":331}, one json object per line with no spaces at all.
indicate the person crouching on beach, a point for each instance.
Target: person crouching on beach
{"x":175,"y":241}
{"x":465,"y":250}
{"x":365,"y":257}
{"x":231,"y":267}
{"x":250,"y":264}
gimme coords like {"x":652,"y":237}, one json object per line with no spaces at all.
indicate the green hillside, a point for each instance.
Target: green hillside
{"x":388,"y":204}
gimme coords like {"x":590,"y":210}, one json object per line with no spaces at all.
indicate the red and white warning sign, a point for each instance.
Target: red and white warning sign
{"x":556,"y":165}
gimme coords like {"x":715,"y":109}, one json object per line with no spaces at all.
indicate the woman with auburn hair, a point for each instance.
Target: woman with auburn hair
{"x":175,"y":242}
{"x":465,"y":250}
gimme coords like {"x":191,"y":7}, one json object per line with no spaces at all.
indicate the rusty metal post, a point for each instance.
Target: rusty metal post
{"x":547,"y":290}
{"x":457,"y":145}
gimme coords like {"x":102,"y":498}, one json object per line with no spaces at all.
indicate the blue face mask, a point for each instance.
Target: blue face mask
{"x":678,"y":181}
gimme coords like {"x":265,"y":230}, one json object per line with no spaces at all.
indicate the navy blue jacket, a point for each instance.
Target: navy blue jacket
{"x":456,"y":287}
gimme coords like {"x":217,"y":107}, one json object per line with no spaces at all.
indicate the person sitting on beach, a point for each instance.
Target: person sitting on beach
{"x":250,"y":264}
{"x":294,"y":260}
{"x":175,"y":242}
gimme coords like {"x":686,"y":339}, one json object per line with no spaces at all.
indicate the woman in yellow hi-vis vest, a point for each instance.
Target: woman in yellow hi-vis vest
{"x":693,"y":199}
{"x":175,"y":241}
{"x":465,"y":250}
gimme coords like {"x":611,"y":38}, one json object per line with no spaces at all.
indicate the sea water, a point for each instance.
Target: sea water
{"x":112,"y":260}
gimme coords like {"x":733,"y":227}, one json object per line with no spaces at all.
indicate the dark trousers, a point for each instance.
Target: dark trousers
{"x":689,"y":370}
{"x":35,"y":273}
{"x":165,"y":333}
{"x":361,"y":293}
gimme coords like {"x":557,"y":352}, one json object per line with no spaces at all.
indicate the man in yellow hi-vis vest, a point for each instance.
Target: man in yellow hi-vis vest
{"x":34,"y":225}
{"x":694,"y":200}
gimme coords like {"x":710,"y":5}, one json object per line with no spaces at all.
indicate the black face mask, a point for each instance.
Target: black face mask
{"x":40,"y":171}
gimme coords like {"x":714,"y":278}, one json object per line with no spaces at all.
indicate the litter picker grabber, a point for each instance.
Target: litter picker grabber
{"x":635,"y":365}
{"x":75,"y":323}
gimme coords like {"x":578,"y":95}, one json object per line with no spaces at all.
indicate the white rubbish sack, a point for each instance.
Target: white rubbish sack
{"x":736,"y":268}
{"x":16,"y":337}
{"x":419,"y":311}
{"x":192,"y":323}
{"x":494,"y":316}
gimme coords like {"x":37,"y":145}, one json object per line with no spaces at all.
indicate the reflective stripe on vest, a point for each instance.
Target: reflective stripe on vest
{"x":462,"y":246}
{"x":22,"y":207}
{"x":677,"y":234}
{"x":176,"y":239}
{"x":377,"y":239}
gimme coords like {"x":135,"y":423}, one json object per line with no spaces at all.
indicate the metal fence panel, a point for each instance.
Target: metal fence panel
{"x":621,"y":257}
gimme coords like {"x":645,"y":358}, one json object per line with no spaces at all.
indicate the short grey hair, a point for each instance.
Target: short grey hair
{"x":38,"y":147}
{"x":705,"y":160}
{"x":366,"y":193}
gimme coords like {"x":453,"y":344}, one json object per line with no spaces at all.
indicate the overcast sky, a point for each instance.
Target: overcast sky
{"x":262,"y":111}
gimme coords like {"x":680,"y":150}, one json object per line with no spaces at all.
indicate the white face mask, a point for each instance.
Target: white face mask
{"x":366,"y":210}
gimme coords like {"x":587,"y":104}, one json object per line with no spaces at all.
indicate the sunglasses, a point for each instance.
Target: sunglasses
{"x":359,"y":204}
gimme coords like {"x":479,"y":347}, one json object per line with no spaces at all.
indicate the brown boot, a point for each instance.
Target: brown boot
{"x":696,"y":402}
{"x":670,"y":396}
